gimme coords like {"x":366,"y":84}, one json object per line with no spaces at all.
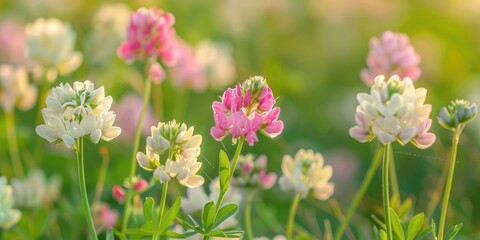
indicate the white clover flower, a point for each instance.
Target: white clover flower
{"x":306,"y":174}
{"x":393,"y":111}
{"x":78,"y":111}
{"x":197,"y":198}
{"x":35,"y":190}
{"x":217,"y":61}
{"x":182,"y":149}
{"x":50,"y":45}
{"x":15,"y":89}
{"x":8,"y":215}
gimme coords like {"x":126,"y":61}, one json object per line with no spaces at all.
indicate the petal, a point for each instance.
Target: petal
{"x":111,"y":133}
{"x":47,"y":133}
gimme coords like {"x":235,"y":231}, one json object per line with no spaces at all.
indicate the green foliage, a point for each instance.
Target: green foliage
{"x":224,"y":171}
{"x":403,"y":230}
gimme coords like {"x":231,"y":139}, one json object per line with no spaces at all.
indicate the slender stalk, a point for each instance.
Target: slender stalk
{"x":248,"y":215}
{"x":12,"y":143}
{"x":146,"y":100}
{"x":232,"y":170}
{"x":359,"y":195}
{"x":385,"y":190}
{"x":160,"y":211}
{"x":291,"y":217}
{"x":448,"y":186}
{"x":83,"y":189}
{"x":393,"y":177}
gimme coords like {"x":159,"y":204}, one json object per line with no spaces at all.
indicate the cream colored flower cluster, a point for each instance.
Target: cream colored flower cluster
{"x":306,"y":174}
{"x":393,"y":111}
{"x":8,"y":215}
{"x":78,"y":111}
{"x":182,"y":149}
{"x":50,"y":45}
{"x":15,"y":90}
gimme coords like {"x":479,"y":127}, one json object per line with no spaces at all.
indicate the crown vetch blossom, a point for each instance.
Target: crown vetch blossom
{"x":36,"y":189}
{"x":15,"y":88}
{"x":8,"y":215}
{"x":78,"y":111}
{"x":50,"y":44}
{"x":306,"y":174}
{"x":390,"y":55}
{"x":394,"y":111}
{"x":245,"y":110}
{"x":150,"y":35}
{"x":182,"y":149}
{"x":456,"y":115}
{"x":252,"y":173}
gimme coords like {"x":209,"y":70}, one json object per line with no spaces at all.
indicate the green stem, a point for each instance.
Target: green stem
{"x":83,"y":189}
{"x":161,"y":210}
{"x":448,"y":186}
{"x":248,"y":215}
{"x":12,"y":143}
{"x":358,"y":197}
{"x":385,"y":190}
{"x":138,"y":133}
{"x":232,"y":170}
{"x":291,"y":217}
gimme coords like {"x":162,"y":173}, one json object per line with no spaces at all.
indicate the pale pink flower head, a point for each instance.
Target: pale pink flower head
{"x":104,"y":217}
{"x":245,"y":110}
{"x":393,"y":111}
{"x":390,"y":55}
{"x":188,"y":72}
{"x":13,"y":48}
{"x":252,"y":173}
{"x":128,"y":115}
{"x":150,"y":35}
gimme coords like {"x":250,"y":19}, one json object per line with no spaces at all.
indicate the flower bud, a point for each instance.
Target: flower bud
{"x":118,"y":193}
{"x":457,"y":114}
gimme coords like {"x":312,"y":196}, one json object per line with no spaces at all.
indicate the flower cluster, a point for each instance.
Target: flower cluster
{"x":12,"y":43}
{"x":306,"y":174}
{"x":252,"y":173}
{"x":139,"y":185}
{"x":78,"y":111}
{"x":188,"y":72}
{"x":150,"y":35}
{"x":182,"y":149}
{"x":15,"y":88}
{"x":216,"y":60}
{"x":36,"y":190}
{"x":128,"y":115}
{"x":50,"y":45}
{"x":8,"y":215}
{"x":246,"y":109}
{"x":457,"y":114}
{"x":393,"y":111}
{"x":103,"y":216}
{"x":390,"y":55}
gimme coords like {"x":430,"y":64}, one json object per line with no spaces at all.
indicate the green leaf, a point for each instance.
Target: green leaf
{"x":222,"y":234}
{"x":405,"y":208}
{"x":454,"y":231}
{"x":118,"y":233}
{"x":137,"y":231}
{"x":434,"y":231}
{"x":110,"y":235}
{"x":378,"y":222}
{"x":397,"y":226}
{"x":424,"y":233}
{"x":224,"y":171}
{"x":383,"y":235}
{"x":149,"y":214}
{"x":414,"y":226}
{"x":208,"y":216}
{"x":173,"y":235}
{"x":185,"y":223}
{"x":170,"y":215}
{"x":224,"y":213}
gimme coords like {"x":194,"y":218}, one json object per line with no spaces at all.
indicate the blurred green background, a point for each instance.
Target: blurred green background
{"x":311,"y":52}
